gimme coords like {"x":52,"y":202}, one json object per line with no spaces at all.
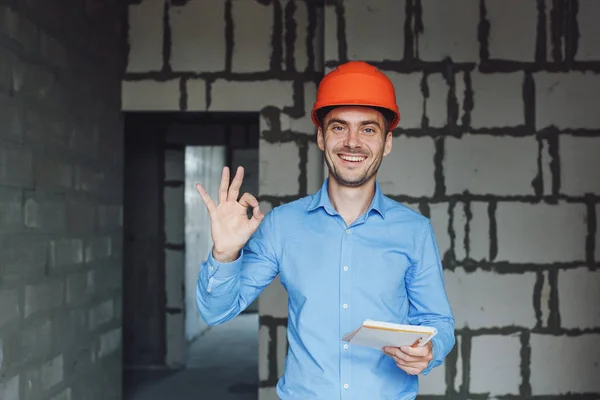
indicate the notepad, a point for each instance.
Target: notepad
{"x":377,"y":335}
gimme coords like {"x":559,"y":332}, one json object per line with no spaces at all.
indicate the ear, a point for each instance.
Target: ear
{"x":320,"y":140}
{"x":387,"y":149}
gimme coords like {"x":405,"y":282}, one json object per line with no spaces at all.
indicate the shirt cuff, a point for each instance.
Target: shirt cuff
{"x":435,"y":345}
{"x":223,"y":270}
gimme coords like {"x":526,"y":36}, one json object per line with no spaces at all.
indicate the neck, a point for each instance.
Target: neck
{"x":351,"y":202}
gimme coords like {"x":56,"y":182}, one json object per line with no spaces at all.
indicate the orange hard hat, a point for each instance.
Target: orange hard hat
{"x":357,"y":83}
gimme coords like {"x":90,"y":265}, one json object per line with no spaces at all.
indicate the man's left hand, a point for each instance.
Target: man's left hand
{"x":411,"y":360}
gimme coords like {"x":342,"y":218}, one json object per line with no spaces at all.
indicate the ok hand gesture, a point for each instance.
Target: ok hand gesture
{"x":229,"y":223}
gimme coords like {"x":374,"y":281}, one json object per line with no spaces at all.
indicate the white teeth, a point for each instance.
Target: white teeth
{"x":350,"y":158}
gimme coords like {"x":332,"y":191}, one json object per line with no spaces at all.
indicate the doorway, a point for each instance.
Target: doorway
{"x":168,"y":348}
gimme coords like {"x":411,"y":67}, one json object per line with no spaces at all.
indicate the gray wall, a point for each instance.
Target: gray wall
{"x":497,"y":144}
{"x":61,"y":160}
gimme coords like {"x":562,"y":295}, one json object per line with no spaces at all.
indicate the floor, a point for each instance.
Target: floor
{"x":222,"y":364}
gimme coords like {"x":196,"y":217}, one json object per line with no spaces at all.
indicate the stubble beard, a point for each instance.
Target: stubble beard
{"x":369,"y":173}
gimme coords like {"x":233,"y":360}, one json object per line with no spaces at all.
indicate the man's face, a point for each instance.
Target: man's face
{"x":354,"y":141}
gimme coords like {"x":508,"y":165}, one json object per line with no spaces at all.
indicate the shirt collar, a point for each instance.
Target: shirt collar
{"x":321,"y":199}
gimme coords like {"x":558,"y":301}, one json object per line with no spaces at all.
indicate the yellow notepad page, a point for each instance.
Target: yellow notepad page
{"x":377,"y":335}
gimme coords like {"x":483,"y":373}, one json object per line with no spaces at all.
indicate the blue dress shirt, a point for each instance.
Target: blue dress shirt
{"x":385,"y":266}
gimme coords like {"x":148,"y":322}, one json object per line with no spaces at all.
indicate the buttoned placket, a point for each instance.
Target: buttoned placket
{"x":345,"y":310}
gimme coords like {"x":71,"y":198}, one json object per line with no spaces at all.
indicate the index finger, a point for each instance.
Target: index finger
{"x":415,"y":351}
{"x":210,"y":204}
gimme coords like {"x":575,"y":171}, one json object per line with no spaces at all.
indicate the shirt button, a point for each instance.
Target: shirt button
{"x":345,"y":268}
{"x":211,"y":268}
{"x":345,"y":305}
{"x":345,"y":386}
{"x":209,"y":290}
{"x":348,"y":231}
{"x":345,"y":346}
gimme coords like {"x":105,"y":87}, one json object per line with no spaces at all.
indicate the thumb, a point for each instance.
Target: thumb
{"x":257,"y":217}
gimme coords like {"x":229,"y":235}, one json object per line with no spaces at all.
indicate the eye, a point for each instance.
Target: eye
{"x":370,"y":131}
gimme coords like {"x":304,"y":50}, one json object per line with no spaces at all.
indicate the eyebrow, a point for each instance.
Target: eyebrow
{"x":363,"y":123}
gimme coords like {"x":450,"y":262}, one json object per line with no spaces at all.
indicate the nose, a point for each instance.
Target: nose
{"x":352,"y":138}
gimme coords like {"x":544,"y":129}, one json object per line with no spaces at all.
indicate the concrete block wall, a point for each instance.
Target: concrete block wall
{"x":60,"y":200}
{"x":497,"y":144}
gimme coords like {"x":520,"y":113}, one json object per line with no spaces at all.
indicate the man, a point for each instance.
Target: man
{"x":345,"y":254}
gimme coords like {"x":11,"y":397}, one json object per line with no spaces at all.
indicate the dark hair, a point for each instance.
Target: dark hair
{"x":388,"y":115}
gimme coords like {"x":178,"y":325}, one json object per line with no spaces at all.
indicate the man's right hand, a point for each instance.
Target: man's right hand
{"x":229,"y":223}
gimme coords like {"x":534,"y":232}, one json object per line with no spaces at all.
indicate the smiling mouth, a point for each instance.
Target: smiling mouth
{"x":354,"y":159}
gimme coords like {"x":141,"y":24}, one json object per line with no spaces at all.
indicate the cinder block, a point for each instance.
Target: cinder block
{"x":109,"y":342}
{"x":43,"y":296}
{"x":565,"y":365}
{"x":98,"y":248}
{"x":281,"y":349}
{"x":81,"y":217}
{"x":53,"y":50}
{"x":66,"y":252}
{"x":51,"y":373}
{"x":79,"y":289}
{"x":109,"y":216}
{"x":409,"y":169}
{"x":579,"y":165}
{"x":434,"y":383}
{"x":506,"y":42}
{"x":331,"y":51}
{"x":279,"y":168}
{"x":9,"y":306}
{"x":439,"y":216}
{"x":479,"y":299}
{"x":553,"y":233}
{"x":36,"y":341}
{"x":101,"y":314}
{"x":196,"y":95}
{"x":303,"y":124}
{"x":302,"y":25}
{"x":273,"y":301}
{"x":267,"y":393}
{"x":567,"y":100}
{"x":252,"y":36}
{"x":314,"y":168}
{"x":409,"y":98}
{"x":375,"y":29}
{"x":448,"y":33}
{"x":495,"y":365}
{"x":145,"y":36}
{"x":264,"y":338}
{"x":17,"y":165}
{"x":497,"y":100}
{"x":64,"y":395}
{"x":250,"y":95}
{"x":19,"y":28}
{"x":436,"y":102}
{"x":23,"y":256}
{"x":578,"y":297}
{"x":587,"y":24}
{"x":11,"y":210}
{"x":198,"y":36}
{"x":150,"y":95}
{"x":486,"y":164}
{"x":9,"y":388}
{"x":46,"y":212}
{"x":479,"y":232}
{"x":10,"y":115}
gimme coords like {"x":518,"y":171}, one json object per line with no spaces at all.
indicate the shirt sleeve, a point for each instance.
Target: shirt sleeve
{"x":224,"y":290}
{"x":427,"y":296}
